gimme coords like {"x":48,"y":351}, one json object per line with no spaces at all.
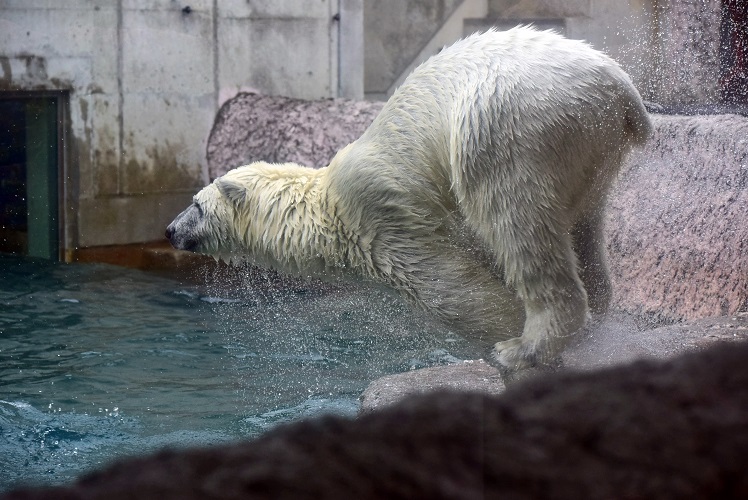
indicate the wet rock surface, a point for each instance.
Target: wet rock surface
{"x":470,"y":375}
{"x":619,"y":339}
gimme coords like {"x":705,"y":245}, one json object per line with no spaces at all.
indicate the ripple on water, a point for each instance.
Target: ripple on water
{"x":54,"y":446}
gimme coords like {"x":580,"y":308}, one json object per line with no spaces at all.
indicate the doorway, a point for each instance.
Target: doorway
{"x":30,"y":166}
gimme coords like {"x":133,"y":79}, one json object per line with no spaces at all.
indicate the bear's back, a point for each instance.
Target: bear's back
{"x":522,"y":88}
{"x":492,"y":107}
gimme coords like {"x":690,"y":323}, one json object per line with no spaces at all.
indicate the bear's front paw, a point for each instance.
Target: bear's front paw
{"x":516,"y":361}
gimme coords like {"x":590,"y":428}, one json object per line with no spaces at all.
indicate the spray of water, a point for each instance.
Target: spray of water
{"x":312,"y":347}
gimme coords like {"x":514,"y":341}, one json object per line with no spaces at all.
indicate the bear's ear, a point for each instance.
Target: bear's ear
{"x":234,"y":191}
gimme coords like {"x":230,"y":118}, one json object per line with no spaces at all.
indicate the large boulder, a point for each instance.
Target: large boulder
{"x":253,"y":127}
{"x":677,"y":222}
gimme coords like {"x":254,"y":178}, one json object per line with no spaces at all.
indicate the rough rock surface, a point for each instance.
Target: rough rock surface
{"x":677,"y":222}
{"x":254,"y":127}
{"x":676,"y":429}
{"x":617,"y":340}
{"x":470,"y":375}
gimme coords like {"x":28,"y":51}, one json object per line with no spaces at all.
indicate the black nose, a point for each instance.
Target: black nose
{"x":169,"y":232}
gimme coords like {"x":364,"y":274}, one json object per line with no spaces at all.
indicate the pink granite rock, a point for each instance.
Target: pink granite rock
{"x":253,"y":127}
{"x":677,"y":223}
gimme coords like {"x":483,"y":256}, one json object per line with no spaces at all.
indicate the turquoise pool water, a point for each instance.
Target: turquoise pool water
{"x":98,"y":362}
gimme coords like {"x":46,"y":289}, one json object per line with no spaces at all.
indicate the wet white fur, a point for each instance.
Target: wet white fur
{"x":476,"y":193}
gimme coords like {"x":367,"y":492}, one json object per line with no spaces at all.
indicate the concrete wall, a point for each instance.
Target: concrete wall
{"x":145,"y":79}
{"x":688,"y":40}
{"x":394,"y":33}
{"x":400,"y":35}
{"x":625,"y":30}
{"x":669,"y":47}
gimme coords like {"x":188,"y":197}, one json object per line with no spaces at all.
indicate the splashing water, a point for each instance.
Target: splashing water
{"x":100,"y":362}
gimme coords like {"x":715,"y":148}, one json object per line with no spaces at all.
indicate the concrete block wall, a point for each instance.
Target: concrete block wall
{"x":622,"y":28}
{"x":395,"y":32}
{"x":669,"y":47}
{"x":688,"y":39}
{"x":144,"y":80}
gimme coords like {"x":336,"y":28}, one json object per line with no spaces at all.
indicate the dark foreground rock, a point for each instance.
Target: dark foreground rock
{"x":673,"y":429}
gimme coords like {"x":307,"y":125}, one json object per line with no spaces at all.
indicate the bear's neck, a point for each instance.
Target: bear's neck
{"x":294,"y":227}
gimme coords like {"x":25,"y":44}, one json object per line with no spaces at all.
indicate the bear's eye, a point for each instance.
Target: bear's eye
{"x":199,"y":210}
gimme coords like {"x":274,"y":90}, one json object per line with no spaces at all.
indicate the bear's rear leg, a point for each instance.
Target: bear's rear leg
{"x":589,"y":246}
{"x":546,"y":279}
{"x":463,"y":293}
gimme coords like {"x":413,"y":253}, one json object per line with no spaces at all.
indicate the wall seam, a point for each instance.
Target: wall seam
{"x":408,"y":68}
{"x":216,"y":83}
{"x":120,"y":97}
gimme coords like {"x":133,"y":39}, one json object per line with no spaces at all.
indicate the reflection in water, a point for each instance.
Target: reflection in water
{"x":99,"y":361}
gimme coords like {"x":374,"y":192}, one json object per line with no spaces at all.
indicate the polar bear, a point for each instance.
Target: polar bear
{"x":477,"y":194}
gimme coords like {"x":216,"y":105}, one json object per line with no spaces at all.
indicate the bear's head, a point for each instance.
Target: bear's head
{"x":204,"y":226}
{"x":243,"y":214}
{"x":218,"y":215}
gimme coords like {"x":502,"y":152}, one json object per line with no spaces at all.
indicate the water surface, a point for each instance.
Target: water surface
{"x":98,"y":362}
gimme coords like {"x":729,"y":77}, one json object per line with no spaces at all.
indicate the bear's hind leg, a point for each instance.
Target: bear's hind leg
{"x":589,"y":245}
{"x":541,"y":264}
{"x":469,"y":297}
